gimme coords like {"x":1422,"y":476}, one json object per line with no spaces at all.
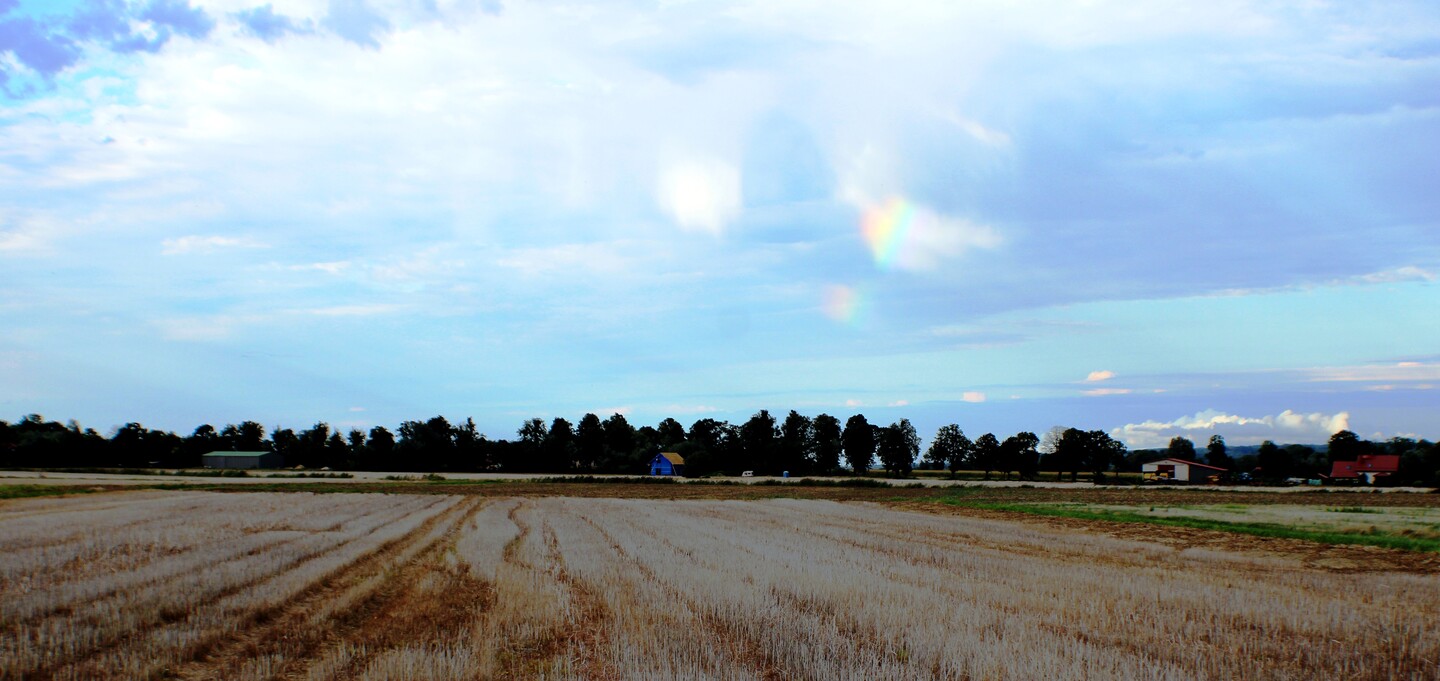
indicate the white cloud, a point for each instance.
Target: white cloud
{"x":1396,"y":373}
{"x":18,"y":241}
{"x":1097,"y":376}
{"x":1286,"y":427}
{"x":973,"y":396}
{"x":700,"y":195}
{"x":29,"y":235}
{"x":1101,"y":392}
{"x":332,"y":268}
{"x":194,"y":244}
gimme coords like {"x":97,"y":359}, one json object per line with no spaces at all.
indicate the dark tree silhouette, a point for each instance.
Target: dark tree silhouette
{"x":987,"y":453}
{"x":797,"y":444}
{"x":1217,"y":454}
{"x":1018,"y":453}
{"x":589,"y":443}
{"x":1181,"y":448}
{"x":949,"y":449}
{"x":858,"y":441}
{"x":759,"y":438}
{"x":828,"y":444}
{"x":899,"y":445}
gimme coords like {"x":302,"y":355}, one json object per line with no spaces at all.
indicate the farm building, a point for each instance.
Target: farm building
{"x":241,"y":460}
{"x":1178,"y":470}
{"x":667,"y":463}
{"x":1368,"y":468}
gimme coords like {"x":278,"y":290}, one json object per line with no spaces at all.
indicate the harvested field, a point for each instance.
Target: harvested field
{"x":201,"y":585}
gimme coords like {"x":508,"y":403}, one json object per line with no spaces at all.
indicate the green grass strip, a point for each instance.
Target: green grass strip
{"x":29,"y":491}
{"x":1390,"y":541}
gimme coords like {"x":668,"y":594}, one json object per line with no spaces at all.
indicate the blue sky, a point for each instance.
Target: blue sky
{"x":1173,"y":218}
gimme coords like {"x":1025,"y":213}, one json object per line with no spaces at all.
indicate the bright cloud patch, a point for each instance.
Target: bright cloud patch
{"x":1097,"y":376}
{"x":205,"y":244}
{"x":700,"y":195}
{"x":1287,"y":427}
{"x":973,"y":396}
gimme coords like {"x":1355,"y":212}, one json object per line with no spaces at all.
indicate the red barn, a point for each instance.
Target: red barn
{"x":1369,"y":468}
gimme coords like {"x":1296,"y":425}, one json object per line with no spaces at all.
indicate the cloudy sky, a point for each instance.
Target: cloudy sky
{"x":1150,"y":218}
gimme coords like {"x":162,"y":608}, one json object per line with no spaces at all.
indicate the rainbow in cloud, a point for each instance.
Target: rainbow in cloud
{"x":886,"y":228}
{"x":842,"y":304}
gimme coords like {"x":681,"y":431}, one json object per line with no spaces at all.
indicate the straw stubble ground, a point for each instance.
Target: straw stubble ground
{"x":298,"y":586}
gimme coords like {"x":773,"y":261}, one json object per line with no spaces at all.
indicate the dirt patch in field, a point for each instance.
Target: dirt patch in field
{"x":1330,"y":557}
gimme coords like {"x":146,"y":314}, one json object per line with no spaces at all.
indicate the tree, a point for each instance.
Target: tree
{"x":472,"y":451}
{"x":828,"y":444}
{"x":251,"y":437}
{"x":427,"y":445}
{"x":1093,"y":450}
{"x":381,"y":448}
{"x":1181,"y":448}
{"x":529,"y":446}
{"x":1216,"y":453}
{"x":558,"y":447}
{"x":589,"y":442}
{"x":1069,"y":452}
{"x":987,"y":453}
{"x":858,"y":441}
{"x":1346,"y":446}
{"x":358,"y":449}
{"x":286,"y":443}
{"x":899,"y":445}
{"x":1018,"y":453}
{"x":670,"y":434}
{"x":1273,"y":462}
{"x":713,"y":445}
{"x":310,"y":448}
{"x":949,"y":449}
{"x":797,"y":443}
{"x":619,"y":443}
{"x":1102,"y":453}
{"x":758,"y":438}
{"x":337,"y":451}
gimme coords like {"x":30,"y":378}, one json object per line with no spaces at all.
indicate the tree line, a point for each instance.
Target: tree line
{"x":1419,"y":459}
{"x":797,"y":445}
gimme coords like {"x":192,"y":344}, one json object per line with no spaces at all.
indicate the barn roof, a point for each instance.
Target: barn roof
{"x":1188,"y":463}
{"x":673,"y":458}
{"x":1367,"y":463}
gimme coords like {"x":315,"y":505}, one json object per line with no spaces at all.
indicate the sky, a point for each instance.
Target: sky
{"x":1153,"y":219}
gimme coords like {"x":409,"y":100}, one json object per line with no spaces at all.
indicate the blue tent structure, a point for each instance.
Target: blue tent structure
{"x":667,"y":463}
